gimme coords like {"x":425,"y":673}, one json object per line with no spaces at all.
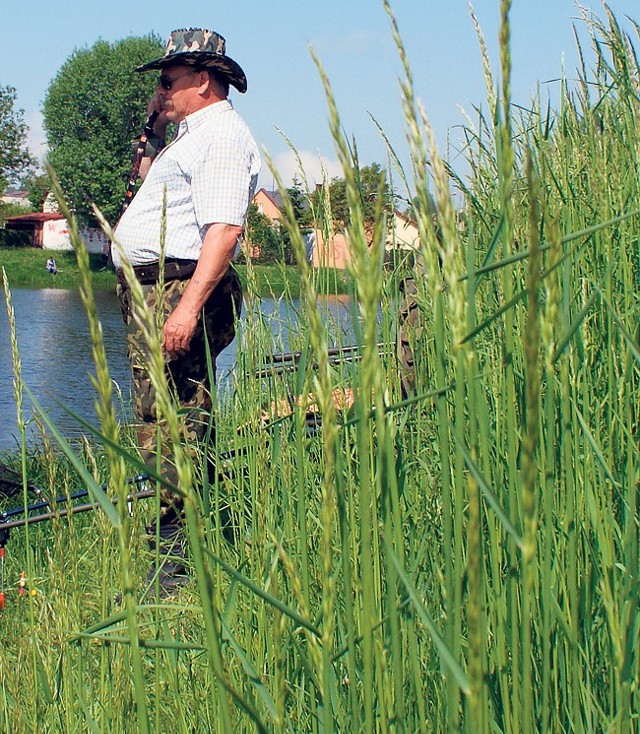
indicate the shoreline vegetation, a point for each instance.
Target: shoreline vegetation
{"x":25,"y":268}
{"x":461,"y":557}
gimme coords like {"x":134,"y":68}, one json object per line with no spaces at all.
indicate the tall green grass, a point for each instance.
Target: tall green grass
{"x":461,"y":558}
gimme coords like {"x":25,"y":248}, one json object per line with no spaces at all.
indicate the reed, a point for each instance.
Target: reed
{"x":459,"y":557}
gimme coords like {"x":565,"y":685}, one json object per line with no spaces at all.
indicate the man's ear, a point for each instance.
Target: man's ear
{"x":205,"y":81}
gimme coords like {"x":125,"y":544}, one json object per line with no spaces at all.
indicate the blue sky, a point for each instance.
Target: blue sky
{"x":353,"y":40}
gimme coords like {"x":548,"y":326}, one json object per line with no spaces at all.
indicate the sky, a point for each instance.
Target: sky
{"x":285,"y":104}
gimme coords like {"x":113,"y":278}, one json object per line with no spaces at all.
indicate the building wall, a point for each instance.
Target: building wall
{"x":335,"y":253}
{"x":332,"y":254}
{"x":405,"y":235}
{"x":55,"y":236}
{"x":95,"y":239}
{"x":266,"y":206}
{"x":19,"y":198}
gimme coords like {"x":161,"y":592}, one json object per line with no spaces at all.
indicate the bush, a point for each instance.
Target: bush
{"x":14,"y":238}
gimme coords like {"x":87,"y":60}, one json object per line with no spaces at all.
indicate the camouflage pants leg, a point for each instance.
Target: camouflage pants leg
{"x":188,"y":376}
{"x":408,"y":335}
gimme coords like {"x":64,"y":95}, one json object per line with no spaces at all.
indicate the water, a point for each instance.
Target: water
{"x":55,"y":350}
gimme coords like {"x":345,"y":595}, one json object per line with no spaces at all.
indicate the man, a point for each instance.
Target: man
{"x":207,"y":175}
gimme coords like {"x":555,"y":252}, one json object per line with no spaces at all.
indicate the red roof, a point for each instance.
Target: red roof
{"x":35,"y":217}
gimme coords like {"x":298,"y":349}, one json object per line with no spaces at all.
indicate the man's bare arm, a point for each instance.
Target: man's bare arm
{"x":217,"y":251}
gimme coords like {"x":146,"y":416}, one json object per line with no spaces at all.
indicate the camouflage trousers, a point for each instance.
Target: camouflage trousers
{"x":187,"y":376}
{"x":409,"y":335}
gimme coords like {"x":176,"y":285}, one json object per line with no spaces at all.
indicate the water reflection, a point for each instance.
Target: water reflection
{"x":55,"y":351}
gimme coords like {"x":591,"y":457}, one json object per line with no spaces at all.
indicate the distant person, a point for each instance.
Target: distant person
{"x":204,"y":180}
{"x":51,"y":266}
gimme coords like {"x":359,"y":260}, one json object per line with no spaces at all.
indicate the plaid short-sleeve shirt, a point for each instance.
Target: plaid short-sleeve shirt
{"x":209,"y":173}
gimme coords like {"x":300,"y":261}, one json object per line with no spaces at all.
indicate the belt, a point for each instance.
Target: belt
{"x":149,"y":274}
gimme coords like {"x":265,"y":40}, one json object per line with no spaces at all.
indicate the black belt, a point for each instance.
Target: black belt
{"x":174,"y":269}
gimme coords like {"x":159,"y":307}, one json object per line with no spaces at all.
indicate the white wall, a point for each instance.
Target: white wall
{"x":95,"y":239}
{"x":55,"y":236}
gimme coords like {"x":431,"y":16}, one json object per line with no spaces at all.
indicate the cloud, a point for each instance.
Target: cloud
{"x":315,"y":168}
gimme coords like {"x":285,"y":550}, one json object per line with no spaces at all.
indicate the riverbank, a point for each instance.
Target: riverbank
{"x":25,"y":268}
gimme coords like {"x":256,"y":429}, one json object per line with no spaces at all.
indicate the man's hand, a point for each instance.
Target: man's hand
{"x":160,"y":125}
{"x":159,"y":128}
{"x":177,"y":333}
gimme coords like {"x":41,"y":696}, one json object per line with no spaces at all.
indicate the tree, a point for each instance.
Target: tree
{"x":272,"y":239}
{"x":303,"y":216}
{"x":372,"y":186}
{"x":15,"y":159}
{"x":93,"y":109}
{"x":38,"y":187}
{"x":262,"y":235}
{"x":300,"y":203}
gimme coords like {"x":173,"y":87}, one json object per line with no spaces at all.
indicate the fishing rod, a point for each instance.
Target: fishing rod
{"x":287,"y":361}
{"x":24,"y":513}
{"x":11,"y":483}
{"x":147,"y":132}
{"x":6,"y":524}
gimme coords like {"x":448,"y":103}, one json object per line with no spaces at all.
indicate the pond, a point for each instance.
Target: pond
{"x":55,"y":352}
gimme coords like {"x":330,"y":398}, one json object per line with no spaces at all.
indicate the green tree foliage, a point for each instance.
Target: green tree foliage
{"x":300,"y":202}
{"x":94,"y":108}
{"x":38,"y":187}
{"x":271,"y":239}
{"x":263,"y":235}
{"x":15,"y":159}
{"x":12,"y":237}
{"x":373,"y":187}
{"x":304,"y":217}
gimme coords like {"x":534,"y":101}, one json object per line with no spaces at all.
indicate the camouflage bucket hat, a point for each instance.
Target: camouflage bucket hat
{"x":202,"y":48}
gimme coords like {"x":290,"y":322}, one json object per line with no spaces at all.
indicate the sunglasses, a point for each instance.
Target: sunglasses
{"x":166,"y":82}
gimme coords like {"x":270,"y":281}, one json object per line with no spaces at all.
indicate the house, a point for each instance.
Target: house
{"x":269,"y":203}
{"x":50,"y":230}
{"x":402,"y":234}
{"x":17,"y":198}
